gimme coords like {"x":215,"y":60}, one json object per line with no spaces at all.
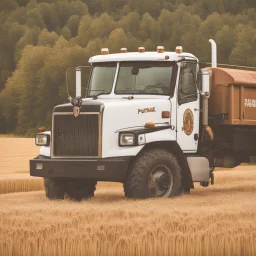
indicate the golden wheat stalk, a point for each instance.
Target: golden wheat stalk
{"x":20,"y":185}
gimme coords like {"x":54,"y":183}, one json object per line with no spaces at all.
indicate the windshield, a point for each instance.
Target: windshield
{"x":102,"y":78}
{"x":144,"y":78}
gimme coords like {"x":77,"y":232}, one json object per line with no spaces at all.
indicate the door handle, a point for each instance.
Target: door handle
{"x":196,"y":109}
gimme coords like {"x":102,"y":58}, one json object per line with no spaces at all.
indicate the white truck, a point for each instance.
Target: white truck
{"x":144,"y":122}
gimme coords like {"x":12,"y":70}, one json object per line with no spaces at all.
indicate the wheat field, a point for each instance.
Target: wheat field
{"x":218,"y":220}
{"x":14,"y":165}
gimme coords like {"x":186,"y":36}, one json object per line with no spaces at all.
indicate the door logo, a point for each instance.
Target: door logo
{"x":188,"y":121}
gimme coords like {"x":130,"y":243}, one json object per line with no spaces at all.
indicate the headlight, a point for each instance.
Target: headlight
{"x":127,"y":139}
{"x":42,"y":139}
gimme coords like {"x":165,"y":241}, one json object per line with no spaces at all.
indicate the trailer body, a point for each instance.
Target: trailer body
{"x":233,"y":95}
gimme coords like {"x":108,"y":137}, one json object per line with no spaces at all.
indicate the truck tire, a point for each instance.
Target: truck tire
{"x":79,"y":189}
{"x":155,"y":173}
{"x":54,"y":188}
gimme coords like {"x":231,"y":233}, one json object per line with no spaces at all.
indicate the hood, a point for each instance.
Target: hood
{"x":90,"y":105}
{"x":87,"y":106}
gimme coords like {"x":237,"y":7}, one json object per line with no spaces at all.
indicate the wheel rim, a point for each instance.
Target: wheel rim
{"x":160,"y":181}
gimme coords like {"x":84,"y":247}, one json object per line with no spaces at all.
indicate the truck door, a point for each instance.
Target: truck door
{"x":188,"y":108}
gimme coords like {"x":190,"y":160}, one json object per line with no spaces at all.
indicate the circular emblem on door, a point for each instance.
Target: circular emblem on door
{"x":188,"y":121}
{"x":76,"y":111}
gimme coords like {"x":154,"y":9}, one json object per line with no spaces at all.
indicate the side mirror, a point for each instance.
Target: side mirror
{"x":203,"y":82}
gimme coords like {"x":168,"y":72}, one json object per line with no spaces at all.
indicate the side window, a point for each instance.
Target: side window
{"x":187,"y":83}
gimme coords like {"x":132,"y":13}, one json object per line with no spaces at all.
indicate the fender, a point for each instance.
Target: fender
{"x":174,"y":147}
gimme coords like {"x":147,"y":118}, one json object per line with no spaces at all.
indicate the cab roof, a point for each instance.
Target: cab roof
{"x":145,"y":56}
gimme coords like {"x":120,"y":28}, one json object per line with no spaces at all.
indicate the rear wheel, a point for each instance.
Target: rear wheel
{"x":79,"y":189}
{"x":155,"y":173}
{"x":54,"y":188}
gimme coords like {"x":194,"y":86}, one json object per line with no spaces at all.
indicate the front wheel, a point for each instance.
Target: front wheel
{"x":155,"y":173}
{"x":79,"y":189}
{"x":54,"y":188}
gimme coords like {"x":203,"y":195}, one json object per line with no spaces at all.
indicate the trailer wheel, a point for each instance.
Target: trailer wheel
{"x":155,"y":173}
{"x":54,"y":188}
{"x":78,"y":190}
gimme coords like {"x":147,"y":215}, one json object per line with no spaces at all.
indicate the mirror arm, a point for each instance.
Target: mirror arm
{"x":69,"y":97}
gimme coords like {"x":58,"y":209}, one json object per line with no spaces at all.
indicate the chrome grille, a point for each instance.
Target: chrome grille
{"x":76,"y":136}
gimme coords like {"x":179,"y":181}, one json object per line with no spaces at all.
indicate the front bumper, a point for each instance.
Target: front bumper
{"x":108,"y":169}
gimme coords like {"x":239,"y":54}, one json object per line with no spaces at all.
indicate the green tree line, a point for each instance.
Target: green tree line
{"x":40,"y":39}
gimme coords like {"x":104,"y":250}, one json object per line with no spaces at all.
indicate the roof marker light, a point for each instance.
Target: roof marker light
{"x":178,"y":49}
{"x":160,"y":49}
{"x":42,"y":129}
{"x":123,"y":50}
{"x":104,"y":51}
{"x":141,"y":49}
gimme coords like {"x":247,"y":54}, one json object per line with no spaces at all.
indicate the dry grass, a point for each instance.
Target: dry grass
{"x":15,"y":154}
{"x":219,"y":220}
{"x":14,"y":165}
{"x":19,"y":183}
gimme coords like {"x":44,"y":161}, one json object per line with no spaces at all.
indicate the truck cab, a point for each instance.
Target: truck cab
{"x":143,"y":122}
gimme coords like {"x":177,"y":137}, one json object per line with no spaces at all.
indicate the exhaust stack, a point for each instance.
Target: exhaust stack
{"x":214,"y":53}
{"x":78,"y":82}
{"x":204,"y":85}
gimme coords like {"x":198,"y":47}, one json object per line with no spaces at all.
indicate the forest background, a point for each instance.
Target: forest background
{"x":40,"y":39}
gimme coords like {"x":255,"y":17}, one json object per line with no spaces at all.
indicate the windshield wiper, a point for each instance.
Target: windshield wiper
{"x":94,"y":97}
